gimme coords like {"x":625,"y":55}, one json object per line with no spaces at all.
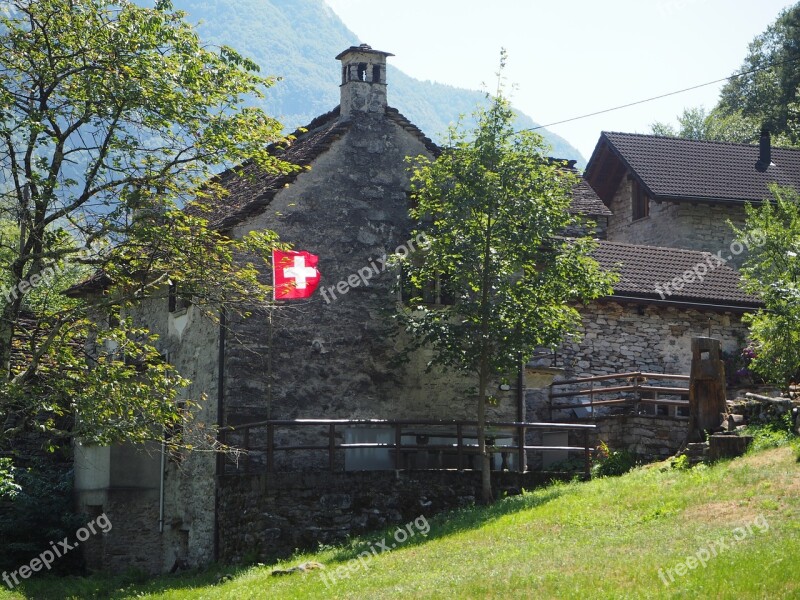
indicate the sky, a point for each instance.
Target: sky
{"x":570,"y":59}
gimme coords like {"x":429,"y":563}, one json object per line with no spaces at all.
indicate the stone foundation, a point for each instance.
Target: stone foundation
{"x":263,"y":517}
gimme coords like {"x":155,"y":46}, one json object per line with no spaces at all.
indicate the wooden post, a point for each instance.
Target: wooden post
{"x":270,"y":448}
{"x":398,"y":442}
{"x":587,"y":455}
{"x":460,"y":435}
{"x":331,"y":447}
{"x":247,"y":450}
{"x":707,"y":393}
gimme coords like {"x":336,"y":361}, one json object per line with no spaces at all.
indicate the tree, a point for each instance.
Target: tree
{"x":772,"y":272}
{"x":769,"y":77}
{"x":715,"y":125}
{"x":113,"y":118}
{"x":493,"y":208}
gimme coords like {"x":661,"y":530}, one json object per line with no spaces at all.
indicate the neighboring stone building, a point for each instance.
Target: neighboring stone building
{"x":681,"y":193}
{"x":638,"y":328}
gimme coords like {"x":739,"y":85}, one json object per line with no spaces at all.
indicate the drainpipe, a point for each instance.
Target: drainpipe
{"x":161,"y":488}
{"x":522,"y":467}
{"x":220,"y":423}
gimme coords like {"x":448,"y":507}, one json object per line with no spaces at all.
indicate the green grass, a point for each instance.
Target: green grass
{"x":606,"y":538}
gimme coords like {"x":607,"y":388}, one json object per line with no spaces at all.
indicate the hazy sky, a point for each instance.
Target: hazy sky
{"x":569,"y":59}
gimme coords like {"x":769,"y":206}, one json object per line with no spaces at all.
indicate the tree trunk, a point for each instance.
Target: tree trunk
{"x":486,"y":474}
{"x":8,"y":320}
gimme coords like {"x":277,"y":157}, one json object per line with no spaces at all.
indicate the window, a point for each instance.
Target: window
{"x":640,"y":201}
{"x":435,"y":291}
{"x":177,"y":303}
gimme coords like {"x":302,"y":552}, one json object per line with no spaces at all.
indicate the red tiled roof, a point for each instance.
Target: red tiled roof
{"x":647,"y":272}
{"x":676,"y":168}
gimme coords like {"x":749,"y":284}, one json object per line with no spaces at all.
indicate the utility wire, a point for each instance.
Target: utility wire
{"x":688,"y":89}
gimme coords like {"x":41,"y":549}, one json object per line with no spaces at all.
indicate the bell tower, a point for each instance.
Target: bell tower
{"x":363,"y":86}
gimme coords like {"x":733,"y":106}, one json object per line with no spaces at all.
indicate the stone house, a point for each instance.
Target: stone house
{"x":681,"y":193}
{"x":331,"y":357}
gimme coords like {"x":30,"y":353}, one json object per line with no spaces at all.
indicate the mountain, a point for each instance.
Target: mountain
{"x":298,"y":40}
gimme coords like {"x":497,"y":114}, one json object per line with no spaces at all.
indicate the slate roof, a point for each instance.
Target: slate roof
{"x":642,"y":268}
{"x":676,"y":168}
{"x":586,"y":201}
{"x":250,"y":189}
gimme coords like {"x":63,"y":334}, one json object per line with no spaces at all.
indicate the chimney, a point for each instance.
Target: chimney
{"x":363,"y":86}
{"x":764,"y":152}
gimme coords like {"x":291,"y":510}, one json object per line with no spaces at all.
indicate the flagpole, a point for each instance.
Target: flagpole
{"x":269,"y":360}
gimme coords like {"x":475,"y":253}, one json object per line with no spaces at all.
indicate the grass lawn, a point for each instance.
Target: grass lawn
{"x":727,"y":531}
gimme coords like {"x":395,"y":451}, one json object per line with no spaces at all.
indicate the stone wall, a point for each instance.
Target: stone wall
{"x":619,"y":338}
{"x":337,"y":355}
{"x":677,"y":225}
{"x":649,"y":438}
{"x":269,"y":516}
{"x":125,"y":484}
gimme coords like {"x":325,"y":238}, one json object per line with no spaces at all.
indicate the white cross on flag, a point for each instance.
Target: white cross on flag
{"x":294,"y":274}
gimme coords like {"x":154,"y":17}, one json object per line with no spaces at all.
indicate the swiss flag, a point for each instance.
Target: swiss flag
{"x":294,"y":274}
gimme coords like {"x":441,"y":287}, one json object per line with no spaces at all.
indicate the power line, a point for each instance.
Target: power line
{"x":688,"y":89}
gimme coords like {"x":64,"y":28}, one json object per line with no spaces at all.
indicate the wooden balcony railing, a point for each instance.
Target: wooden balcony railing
{"x":635,"y":390}
{"x":463,"y":447}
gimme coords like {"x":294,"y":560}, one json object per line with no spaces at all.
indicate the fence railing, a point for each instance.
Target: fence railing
{"x":635,"y":391}
{"x":454,"y":439}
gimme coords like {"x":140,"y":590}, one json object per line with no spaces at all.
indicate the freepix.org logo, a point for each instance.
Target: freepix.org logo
{"x":57,"y":550}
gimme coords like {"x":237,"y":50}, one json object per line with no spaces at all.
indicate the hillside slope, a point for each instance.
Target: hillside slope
{"x":298,"y":40}
{"x":727,"y":531}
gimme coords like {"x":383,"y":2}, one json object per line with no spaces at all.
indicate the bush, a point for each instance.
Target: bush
{"x":609,"y":463}
{"x":39,"y":513}
{"x":771,"y":435}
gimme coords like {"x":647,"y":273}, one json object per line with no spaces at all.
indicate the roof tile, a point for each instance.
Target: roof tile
{"x":643,"y":268}
{"x":676,"y":168}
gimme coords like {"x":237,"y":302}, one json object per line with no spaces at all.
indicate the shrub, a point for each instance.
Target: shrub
{"x":771,"y":435}
{"x":612,"y":462}
{"x":40,"y":512}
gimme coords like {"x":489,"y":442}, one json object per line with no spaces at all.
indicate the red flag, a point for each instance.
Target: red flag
{"x":294,"y":274}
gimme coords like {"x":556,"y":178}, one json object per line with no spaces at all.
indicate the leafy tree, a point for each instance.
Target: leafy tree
{"x":493,"y":207}
{"x":715,"y":125}
{"x":772,"y":272}
{"x":112,"y":118}
{"x":770,"y":76}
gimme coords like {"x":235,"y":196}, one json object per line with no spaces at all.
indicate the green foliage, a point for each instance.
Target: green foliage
{"x":40,"y":513}
{"x":771,"y":272}
{"x":771,"y":435}
{"x":769,"y":96}
{"x":681,"y":462}
{"x":492,"y":209}
{"x":716,"y":125}
{"x":8,"y":487}
{"x":102,"y":142}
{"x":610,"y":463}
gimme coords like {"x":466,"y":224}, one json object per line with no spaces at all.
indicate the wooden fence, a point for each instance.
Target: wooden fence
{"x":636,"y":388}
{"x":462,"y":433}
